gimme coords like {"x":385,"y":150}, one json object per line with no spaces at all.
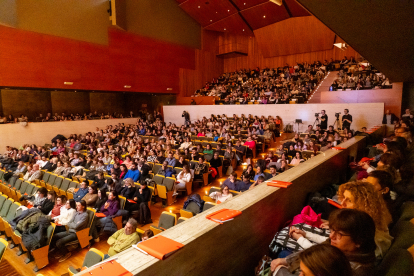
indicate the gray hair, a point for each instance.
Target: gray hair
{"x":133,"y":223}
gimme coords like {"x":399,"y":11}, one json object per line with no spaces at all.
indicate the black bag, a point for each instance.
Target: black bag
{"x":60,"y":137}
{"x":282,"y":240}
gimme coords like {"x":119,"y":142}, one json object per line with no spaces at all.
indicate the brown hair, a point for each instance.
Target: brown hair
{"x":326,"y":260}
{"x":369,"y":201}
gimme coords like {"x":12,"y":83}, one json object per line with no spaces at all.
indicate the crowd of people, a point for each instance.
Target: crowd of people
{"x":49,"y":117}
{"x":266,"y":85}
{"x":356,"y":237}
{"x":357,"y":79}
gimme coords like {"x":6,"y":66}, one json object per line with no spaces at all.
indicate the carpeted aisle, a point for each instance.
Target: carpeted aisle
{"x":7,"y":270}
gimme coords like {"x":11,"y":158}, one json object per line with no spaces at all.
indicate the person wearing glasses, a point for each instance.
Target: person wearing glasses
{"x":223,"y":195}
{"x":351,"y":231}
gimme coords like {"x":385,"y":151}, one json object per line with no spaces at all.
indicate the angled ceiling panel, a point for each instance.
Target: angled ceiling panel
{"x":233,"y":24}
{"x":295,"y":9}
{"x":207,"y":12}
{"x":381,"y":31}
{"x":245,"y":4}
{"x":264,"y":14}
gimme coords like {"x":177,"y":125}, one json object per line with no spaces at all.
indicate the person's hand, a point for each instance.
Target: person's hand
{"x":106,"y":205}
{"x":276,"y":263}
{"x":325,"y":225}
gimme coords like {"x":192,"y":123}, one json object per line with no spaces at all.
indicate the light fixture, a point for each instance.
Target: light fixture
{"x":264,"y":16}
{"x":244,"y":3}
{"x":211,"y":20}
{"x":277,"y":2}
{"x":198,"y":6}
{"x":228,"y":10}
{"x":341,"y":46}
{"x":68,"y":83}
{"x":224,"y":28}
{"x":169,"y":88}
{"x":243,"y":30}
{"x":127,"y":86}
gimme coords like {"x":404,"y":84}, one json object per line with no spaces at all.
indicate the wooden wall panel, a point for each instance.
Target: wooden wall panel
{"x":207,"y":65}
{"x":69,"y":102}
{"x":35,"y":60}
{"x":27,"y":102}
{"x":294,"y":36}
{"x":107,"y":102}
{"x":255,"y":57}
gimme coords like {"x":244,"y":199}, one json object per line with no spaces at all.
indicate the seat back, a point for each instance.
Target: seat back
{"x":395,"y":263}
{"x":51,"y":179}
{"x":169,"y":183}
{"x":193,"y":208}
{"x":178,"y":170}
{"x":23,"y":187}
{"x":12,"y":211}
{"x":49,"y":232}
{"x":181,"y":219}
{"x":65,"y":184}
{"x":122,"y":201}
{"x":93,"y":257}
{"x":12,"y":180}
{"x":17,"y":184}
{"x":167,"y":220}
{"x":58,"y":182}
{"x":208,"y":205}
{"x":91,"y":215}
{"x":5,"y":208}
{"x":159,"y":179}
{"x":156,"y":168}
{"x":29,"y":189}
{"x":73,"y":184}
{"x":2,"y":200}
{"x":3,"y":246}
{"x":213,"y":189}
{"x":46,"y":176}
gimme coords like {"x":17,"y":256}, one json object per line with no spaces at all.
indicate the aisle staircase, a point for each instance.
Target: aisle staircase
{"x":322,"y":87}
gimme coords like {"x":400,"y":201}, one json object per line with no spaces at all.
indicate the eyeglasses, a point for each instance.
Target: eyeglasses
{"x":338,"y":235}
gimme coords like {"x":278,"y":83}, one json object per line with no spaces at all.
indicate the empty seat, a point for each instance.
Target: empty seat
{"x":156,"y":168}
{"x":167,"y":220}
{"x":208,"y":205}
{"x":93,"y":257}
{"x":191,"y":210}
{"x":57,"y":183}
{"x":64,"y":186}
{"x":181,"y":219}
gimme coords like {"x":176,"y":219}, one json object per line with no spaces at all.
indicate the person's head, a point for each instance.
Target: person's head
{"x":36,"y":167}
{"x":92,"y":189}
{"x":298,"y":155}
{"x":113,"y":195}
{"x":42,"y":192}
{"x":324,"y":260}
{"x":260,"y":179}
{"x":272,"y":169}
{"x":84,"y":184}
{"x":133,"y":166}
{"x":382,"y":181}
{"x":129,"y":182}
{"x":361,"y":196}
{"x":352,"y":231}
{"x":131,"y":226}
{"x":51,"y":195}
{"x":323,"y":112}
{"x":200,"y":160}
{"x":224,"y":189}
{"x":61,"y":200}
{"x":346,"y":111}
{"x":233,"y":176}
{"x":71,"y":204}
{"x":81,"y":206}
{"x":147,"y":234}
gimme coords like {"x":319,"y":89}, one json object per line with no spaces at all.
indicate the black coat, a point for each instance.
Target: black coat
{"x":37,"y":236}
{"x":128,"y":193}
{"x":46,"y":206}
{"x":144,"y":197}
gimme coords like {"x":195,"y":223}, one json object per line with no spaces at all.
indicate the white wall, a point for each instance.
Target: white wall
{"x":363,"y":114}
{"x":16,"y":135}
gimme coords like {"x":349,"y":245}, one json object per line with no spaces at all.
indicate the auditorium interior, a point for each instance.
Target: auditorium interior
{"x":206,"y":137}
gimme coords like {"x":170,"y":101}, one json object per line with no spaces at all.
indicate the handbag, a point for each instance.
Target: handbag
{"x":282,"y":240}
{"x":308,"y":216}
{"x":263,"y":267}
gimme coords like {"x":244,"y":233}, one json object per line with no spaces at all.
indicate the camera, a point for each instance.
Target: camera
{"x":316,"y":114}
{"x":337,"y":114}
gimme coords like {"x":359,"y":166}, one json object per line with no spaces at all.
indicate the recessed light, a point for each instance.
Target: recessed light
{"x":68,"y":82}
{"x":224,"y":28}
{"x":243,"y":30}
{"x":127,"y":86}
{"x":228,"y":10}
{"x":216,"y":12}
{"x":211,"y":20}
{"x":264,"y":16}
{"x":245,"y":3}
{"x":198,"y":6}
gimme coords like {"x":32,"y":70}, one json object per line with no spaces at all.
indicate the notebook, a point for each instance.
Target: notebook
{"x":279,"y":184}
{"x":131,"y":201}
{"x":100,"y":215}
{"x":334,"y":203}
{"x":338,"y":148}
{"x":110,"y":268}
{"x":159,"y":247}
{"x":223,"y":215}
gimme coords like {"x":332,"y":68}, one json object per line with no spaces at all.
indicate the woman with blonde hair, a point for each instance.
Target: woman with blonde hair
{"x":362,"y":196}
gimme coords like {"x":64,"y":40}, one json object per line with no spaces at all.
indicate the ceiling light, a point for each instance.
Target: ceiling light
{"x":341,"y":46}
{"x":264,"y":16}
{"x":245,"y":3}
{"x":243,"y":30}
{"x":68,"y":83}
{"x":277,"y":2}
{"x":127,"y":86}
{"x":198,"y":6}
{"x":211,"y":20}
{"x":228,"y":10}
{"x":224,"y":28}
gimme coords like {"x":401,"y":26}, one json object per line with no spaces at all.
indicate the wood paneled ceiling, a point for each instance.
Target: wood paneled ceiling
{"x":240,"y":16}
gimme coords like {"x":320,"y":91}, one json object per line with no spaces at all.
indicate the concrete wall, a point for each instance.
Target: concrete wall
{"x":235,"y":247}
{"x":364,"y":114}
{"x":16,"y":135}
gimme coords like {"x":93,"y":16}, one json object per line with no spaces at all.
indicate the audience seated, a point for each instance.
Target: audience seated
{"x":223,"y":195}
